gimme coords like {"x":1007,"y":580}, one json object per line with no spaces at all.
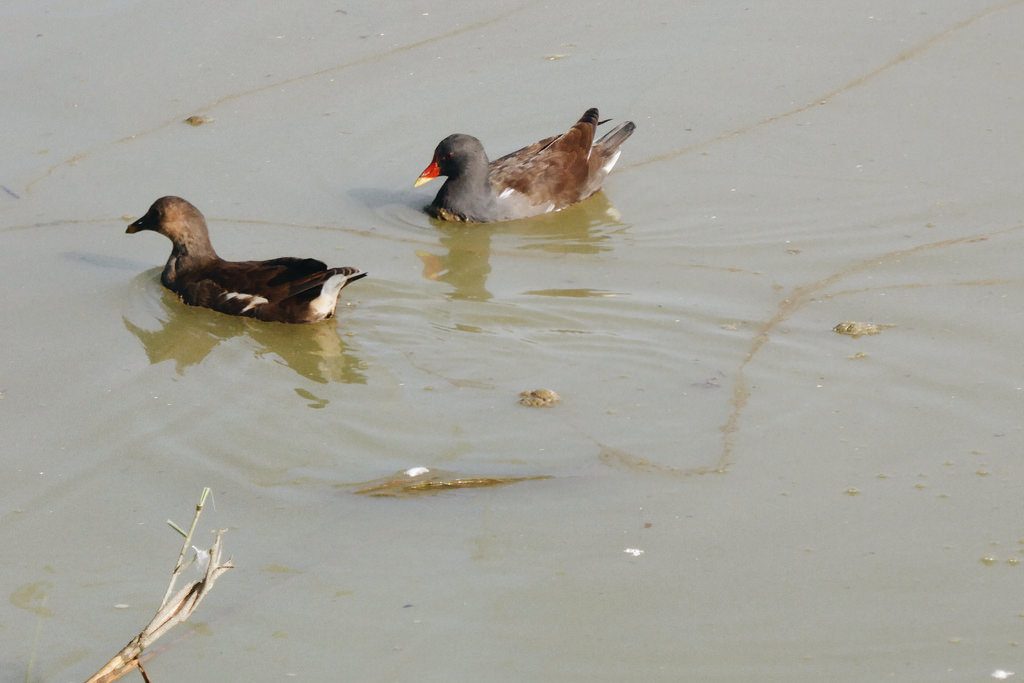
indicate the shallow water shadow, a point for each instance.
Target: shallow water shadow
{"x":584,"y":228}
{"x":187,"y":335}
{"x":97,"y":260}
{"x":378,"y":197}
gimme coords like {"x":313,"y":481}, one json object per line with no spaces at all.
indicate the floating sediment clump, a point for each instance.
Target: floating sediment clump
{"x":856,"y":329}
{"x":421,"y":480}
{"x":539,"y":398}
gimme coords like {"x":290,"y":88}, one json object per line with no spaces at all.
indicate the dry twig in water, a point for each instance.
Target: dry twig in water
{"x":175,"y":608}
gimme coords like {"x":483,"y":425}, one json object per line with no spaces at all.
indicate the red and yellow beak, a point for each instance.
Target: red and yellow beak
{"x":429,"y":173}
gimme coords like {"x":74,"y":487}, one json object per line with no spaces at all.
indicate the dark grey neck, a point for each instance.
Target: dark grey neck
{"x":468,"y":194}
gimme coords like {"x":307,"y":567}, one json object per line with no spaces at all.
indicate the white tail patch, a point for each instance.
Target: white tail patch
{"x":327,"y":301}
{"x":607,"y":168}
{"x":253,"y":299}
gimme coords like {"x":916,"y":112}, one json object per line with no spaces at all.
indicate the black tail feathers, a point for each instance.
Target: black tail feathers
{"x":615,"y":137}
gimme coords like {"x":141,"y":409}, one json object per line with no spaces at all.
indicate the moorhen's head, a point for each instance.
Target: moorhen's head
{"x":173,"y":217}
{"x":453,"y":155}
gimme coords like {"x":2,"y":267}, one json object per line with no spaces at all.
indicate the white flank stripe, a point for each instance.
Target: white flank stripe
{"x":253,"y":300}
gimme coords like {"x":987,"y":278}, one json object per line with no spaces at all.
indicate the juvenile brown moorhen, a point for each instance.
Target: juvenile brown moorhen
{"x":288,"y":290}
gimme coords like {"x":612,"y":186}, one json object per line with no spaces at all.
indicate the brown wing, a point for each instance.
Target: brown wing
{"x":274,"y":280}
{"x":251,"y":288}
{"x":211,"y":294}
{"x":554,"y":170}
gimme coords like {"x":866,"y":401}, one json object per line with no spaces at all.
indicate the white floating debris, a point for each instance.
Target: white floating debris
{"x":122,"y":605}
{"x":635,"y":552}
{"x":1001,"y":675}
{"x":416,"y":471}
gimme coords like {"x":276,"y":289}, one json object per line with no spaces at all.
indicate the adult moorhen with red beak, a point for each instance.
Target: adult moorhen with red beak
{"x":546,"y":176}
{"x":288,"y":290}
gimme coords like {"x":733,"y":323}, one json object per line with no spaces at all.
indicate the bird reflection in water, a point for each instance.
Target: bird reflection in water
{"x":187,"y":335}
{"x":584,"y":228}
